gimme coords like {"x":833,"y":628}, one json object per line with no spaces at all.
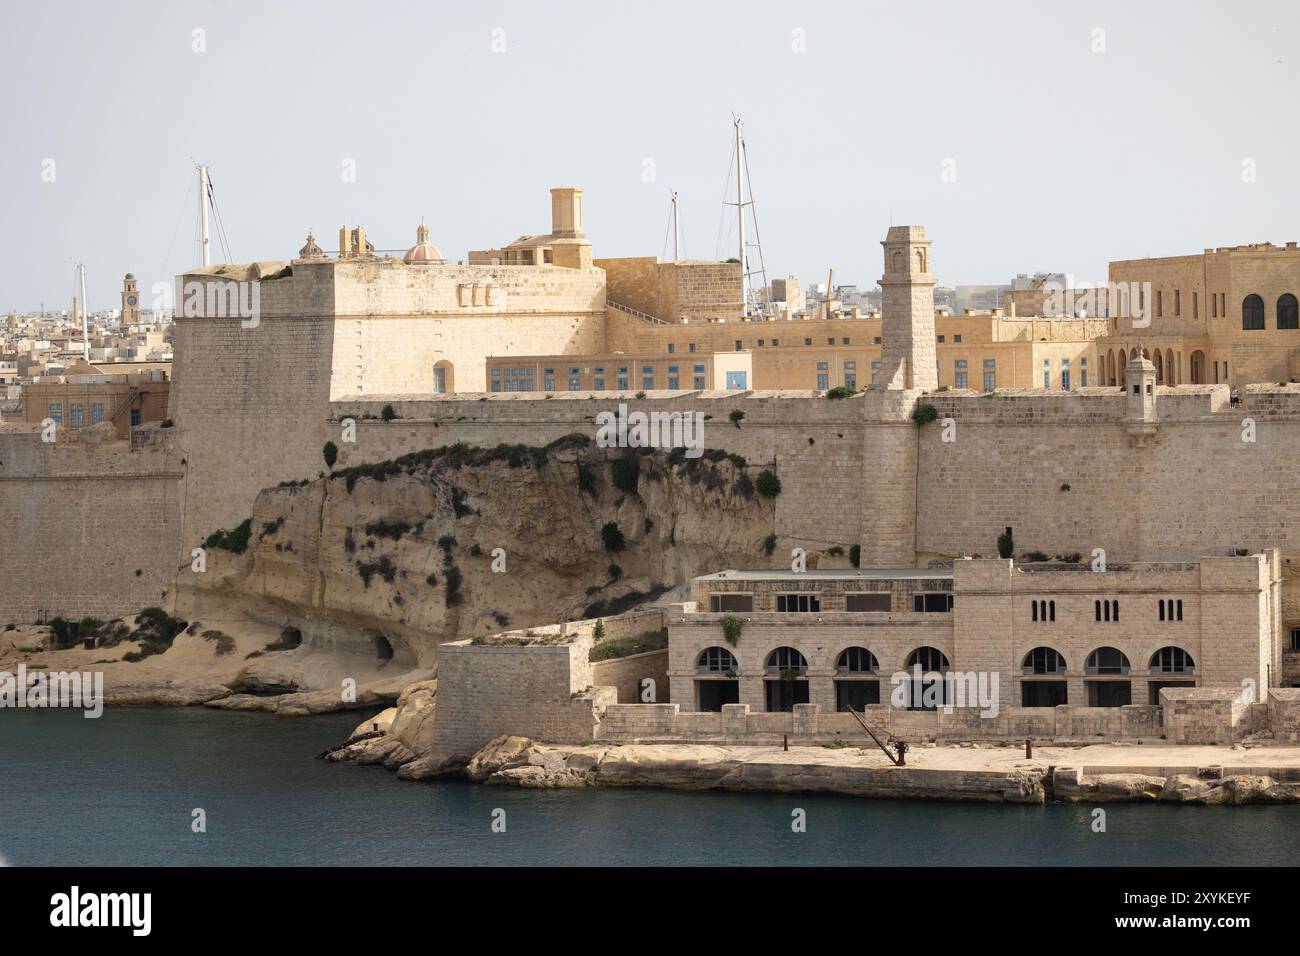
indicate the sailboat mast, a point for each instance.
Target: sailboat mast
{"x":203,"y":215}
{"x":740,"y":214}
{"x":677,"y":232}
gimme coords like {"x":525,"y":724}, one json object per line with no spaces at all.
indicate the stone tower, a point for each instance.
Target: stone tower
{"x":130,"y":301}
{"x":907,"y":370}
{"x":907,"y":355}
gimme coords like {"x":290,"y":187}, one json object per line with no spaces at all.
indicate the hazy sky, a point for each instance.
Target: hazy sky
{"x":1064,"y":158}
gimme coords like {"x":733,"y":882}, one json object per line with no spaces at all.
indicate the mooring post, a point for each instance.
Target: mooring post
{"x":1029,"y":748}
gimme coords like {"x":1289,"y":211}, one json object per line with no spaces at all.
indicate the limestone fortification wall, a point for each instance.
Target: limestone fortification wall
{"x":90,"y":529}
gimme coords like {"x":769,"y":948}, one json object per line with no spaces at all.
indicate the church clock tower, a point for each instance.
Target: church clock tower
{"x":130,"y":301}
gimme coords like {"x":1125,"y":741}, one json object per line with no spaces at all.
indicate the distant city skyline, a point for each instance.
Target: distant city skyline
{"x":1020,"y":136}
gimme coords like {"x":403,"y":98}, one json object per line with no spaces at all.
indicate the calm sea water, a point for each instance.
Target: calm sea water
{"x":120,"y":790}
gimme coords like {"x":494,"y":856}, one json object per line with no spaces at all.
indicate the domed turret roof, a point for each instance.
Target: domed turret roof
{"x":423,"y":251}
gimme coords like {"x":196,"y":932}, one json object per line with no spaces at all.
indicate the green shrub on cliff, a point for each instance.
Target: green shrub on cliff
{"x":612,"y":537}
{"x":768,"y":484}
{"x":452,"y":585}
{"x":235,"y":541}
{"x":331,"y":453}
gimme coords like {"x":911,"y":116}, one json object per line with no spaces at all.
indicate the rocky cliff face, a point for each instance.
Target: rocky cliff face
{"x":455,"y":542}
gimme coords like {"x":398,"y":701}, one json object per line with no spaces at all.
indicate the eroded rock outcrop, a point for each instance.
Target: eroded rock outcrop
{"x":394,"y":558}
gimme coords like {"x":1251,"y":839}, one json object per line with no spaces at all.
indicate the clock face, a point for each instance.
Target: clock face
{"x":131,"y":300}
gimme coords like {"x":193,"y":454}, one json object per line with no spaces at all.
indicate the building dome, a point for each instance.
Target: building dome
{"x":423,"y":251}
{"x":130,"y":277}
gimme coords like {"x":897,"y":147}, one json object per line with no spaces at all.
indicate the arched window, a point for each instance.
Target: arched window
{"x":1252,"y":312}
{"x":1172,"y":660}
{"x":1107,"y":660}
{"x":857,"y":660}
{"x":1288,"y":313}
{"x":786,"y":659}
{"x":1044,"y":660}
{"x":929,"y":659}
{"x":717,"y":660}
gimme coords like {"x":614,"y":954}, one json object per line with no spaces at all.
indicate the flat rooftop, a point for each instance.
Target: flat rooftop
{"x":832,"y":574}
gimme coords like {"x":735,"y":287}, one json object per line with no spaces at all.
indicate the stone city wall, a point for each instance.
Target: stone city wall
{"x":90,"y":529}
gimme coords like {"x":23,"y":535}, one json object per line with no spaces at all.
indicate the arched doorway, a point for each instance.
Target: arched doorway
{"x":927,"y":689}
{"x":1170,"y":662}
{"x":1159,"y":363}
{"x":857,"y":683}
{"x":1171,"y":370}
{"x":1043,"y":681}
{"x":786,"y":679}
{"x":1197,"y":371}
{"x":1108,"y":681}
{"x":717,"y":683}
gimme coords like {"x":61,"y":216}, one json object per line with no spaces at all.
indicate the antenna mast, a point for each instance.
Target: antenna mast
{"x":85,"y":319}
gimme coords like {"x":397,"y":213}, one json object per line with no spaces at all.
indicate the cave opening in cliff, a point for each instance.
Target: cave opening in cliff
{"x":383,"y":649}
{"x":290,"y":638}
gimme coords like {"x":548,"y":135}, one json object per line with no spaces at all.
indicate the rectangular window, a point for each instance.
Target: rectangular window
{"x":941,"y":338}
{"x":598,"y":378}
{"x":1214,"y":306}
{"x":957,"y":339}
{"x":647,"y":376}
{"x":931,"y":603}
{"x":760,"y":343}
{"x":1065,"y":374}
{"x":798,"y":603}
{"x":1083,"y":372}
{"x":1295,"y":638}
{"x":691,"y":347}
{"x":731,"y":602}
{"x":439,"y":380}
{"x":1160,"y":303}
{"x":698,"y":377}
{"x":875,"y":373}
{"x":548,"y":379}
{"x":737,"y":381}
{"x":1178,"y":303}
{"x":56,"y":411}
{"x":575,"y":379}
{"x":671,"y":348}
{"x":496,"y":380}
{"x":869,"y":601}
{"x":990,"y":374}
{"x":674,"y":378}
{"x":807,"y":341}
{"x":1047,"y":373}
{"x":851,"y":375}
{"x":844,"y":341}
{"x":775,"y":343}
{"x":823,"y":376}
{"x":1196,"y":305}
{"x":831,"y":340}
{"x":78,"y":414}
{"x":876,"y":341}
{"x":738,"y":345}
{"x":622,"y":376}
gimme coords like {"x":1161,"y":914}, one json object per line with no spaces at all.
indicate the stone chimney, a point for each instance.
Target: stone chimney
{"x":566,"y":213}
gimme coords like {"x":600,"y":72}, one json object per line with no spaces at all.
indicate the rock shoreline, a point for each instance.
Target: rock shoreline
{"x":520,"y":762}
